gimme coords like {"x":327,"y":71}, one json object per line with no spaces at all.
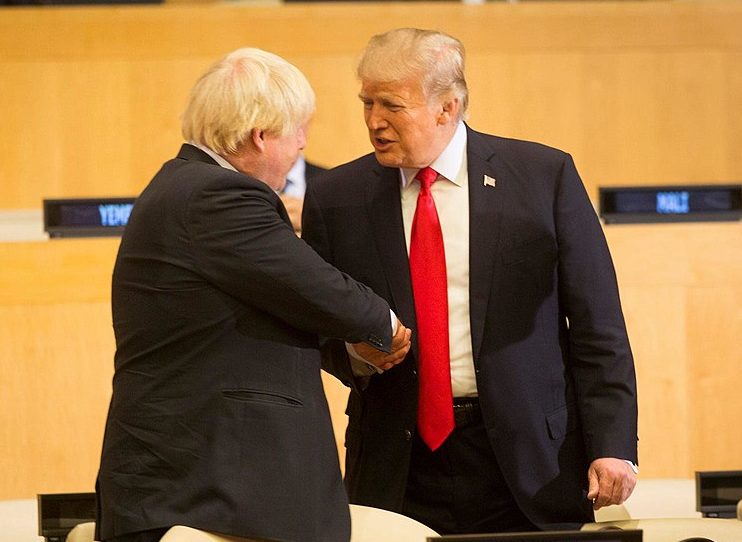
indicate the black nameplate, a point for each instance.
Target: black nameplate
{"x":718,"y":492}
{"x":86,"y":217}
{"x":681,"y":203}
{"x":58,"y":513}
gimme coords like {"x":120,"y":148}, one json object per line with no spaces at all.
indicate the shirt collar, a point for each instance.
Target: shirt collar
{"x":217,"y":158}
{"x":448,"y":162}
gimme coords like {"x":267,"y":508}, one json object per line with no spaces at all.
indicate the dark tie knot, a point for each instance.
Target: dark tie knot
{"x":426,"y":176}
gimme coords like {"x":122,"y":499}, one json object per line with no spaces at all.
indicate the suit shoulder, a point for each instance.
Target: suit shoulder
{"x":349,"y":175}
{"x":312,"y":170}
{"x":359,"y":166}
{"x":529,"y":163}
{"x":180,"y":181}
{"x":200,"y":175}
{"x":517,"y":148}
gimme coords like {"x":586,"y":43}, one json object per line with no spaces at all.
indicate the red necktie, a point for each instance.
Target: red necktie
{"x":430,"y":288}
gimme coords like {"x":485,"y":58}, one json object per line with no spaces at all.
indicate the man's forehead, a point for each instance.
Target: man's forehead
{"x":405,"y":90}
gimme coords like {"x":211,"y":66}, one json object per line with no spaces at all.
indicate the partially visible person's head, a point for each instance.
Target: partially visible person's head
{"x":414,"y":93}
{"x":251,"y":93}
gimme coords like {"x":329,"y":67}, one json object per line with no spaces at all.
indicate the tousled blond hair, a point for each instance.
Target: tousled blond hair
{"x":436,"y":58}
{"x":249,"y":88}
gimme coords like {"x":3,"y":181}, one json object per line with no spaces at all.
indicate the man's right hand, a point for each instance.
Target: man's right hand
{"x":400,"y":346}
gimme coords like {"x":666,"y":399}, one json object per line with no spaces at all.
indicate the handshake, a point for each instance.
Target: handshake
{"x":382,"y":360}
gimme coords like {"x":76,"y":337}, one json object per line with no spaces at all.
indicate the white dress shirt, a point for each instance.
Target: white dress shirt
{"x":451,"y":195}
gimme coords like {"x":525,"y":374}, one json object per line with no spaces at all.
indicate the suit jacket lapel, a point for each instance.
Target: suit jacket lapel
{"x":385,"y":209}
{"x":485,"y":212}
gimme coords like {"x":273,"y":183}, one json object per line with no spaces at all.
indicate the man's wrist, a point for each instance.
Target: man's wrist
{"x":360,"y":366}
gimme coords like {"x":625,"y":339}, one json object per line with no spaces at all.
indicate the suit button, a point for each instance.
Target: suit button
{"x":407,"y":434}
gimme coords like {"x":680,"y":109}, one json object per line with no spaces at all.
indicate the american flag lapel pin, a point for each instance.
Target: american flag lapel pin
{"x":489,"y":181}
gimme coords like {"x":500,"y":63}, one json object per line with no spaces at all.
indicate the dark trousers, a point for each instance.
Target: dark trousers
{"x":459,"y":488}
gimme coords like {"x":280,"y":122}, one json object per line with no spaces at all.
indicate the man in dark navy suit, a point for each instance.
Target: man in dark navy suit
{"x":491,"y":250}
{"x":218,"y":419}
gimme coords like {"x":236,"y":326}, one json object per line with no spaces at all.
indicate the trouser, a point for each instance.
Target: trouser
{"x":459,"y":488}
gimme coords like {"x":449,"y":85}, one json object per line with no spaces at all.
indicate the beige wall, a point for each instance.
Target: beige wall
{"x":647,"y":92}
{"x":639,"y":93}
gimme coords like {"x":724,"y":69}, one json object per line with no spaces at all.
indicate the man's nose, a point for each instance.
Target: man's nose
{"x":374,"y":118}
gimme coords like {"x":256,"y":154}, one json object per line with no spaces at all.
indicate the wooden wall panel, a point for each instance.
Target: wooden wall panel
{"x":56,"y":363}
{"x":681,"y":290}
{"x":55,"y":383}
{"x":638,"y":92}
{"x":656,"y":321}
{"x":681,"y":287}
{"x":715,"y":400}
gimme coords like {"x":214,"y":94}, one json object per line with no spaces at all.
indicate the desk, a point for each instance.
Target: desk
{"x":677,"y":529}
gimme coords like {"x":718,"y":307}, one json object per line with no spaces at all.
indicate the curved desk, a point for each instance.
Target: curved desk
{"x":677,"y":529}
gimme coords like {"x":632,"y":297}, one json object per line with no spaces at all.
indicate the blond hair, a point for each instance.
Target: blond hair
{"x":249,"y":88}
{"x":434,"y":57}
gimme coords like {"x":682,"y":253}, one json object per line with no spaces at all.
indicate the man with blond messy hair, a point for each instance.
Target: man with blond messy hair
{"x":218,"y":420}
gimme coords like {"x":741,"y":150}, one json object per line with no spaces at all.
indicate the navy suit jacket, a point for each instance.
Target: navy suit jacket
{"x":312,"y":170}
{"x":554,"y":368}
{"x":218,"y":418}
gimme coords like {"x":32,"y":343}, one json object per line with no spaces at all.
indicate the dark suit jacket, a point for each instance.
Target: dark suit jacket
{"x":218,"y":418}
{"x":312,"y":170}
{"x":553,"y":364}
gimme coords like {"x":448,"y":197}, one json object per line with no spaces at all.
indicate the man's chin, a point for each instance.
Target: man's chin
{"x":387,"y":159}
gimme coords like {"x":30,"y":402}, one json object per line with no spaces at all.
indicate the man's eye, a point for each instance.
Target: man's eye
{"x":394,"y":107}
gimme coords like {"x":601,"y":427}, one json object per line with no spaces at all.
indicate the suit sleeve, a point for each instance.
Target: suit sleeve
{"x":243,"y":246}
{"x":600,"y":357}
{"x":335,"y":359}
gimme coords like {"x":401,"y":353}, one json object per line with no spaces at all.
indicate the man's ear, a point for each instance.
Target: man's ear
{"x":449,"y":110}
{"x":257,"y":136}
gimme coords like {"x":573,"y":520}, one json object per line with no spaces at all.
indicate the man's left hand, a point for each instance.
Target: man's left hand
{"x":610,"y":480}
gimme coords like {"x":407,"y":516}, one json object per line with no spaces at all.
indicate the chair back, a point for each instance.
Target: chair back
{"x":82,"y":532}
{"x":376,"y":525}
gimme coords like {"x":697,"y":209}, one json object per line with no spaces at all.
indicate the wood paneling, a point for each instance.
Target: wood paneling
{"x":681,"y":288}
{"x":638,"y":92}
{"x":56,"y":363}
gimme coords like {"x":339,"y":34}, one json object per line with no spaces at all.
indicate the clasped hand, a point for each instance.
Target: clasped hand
{"x":382,"y":360}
